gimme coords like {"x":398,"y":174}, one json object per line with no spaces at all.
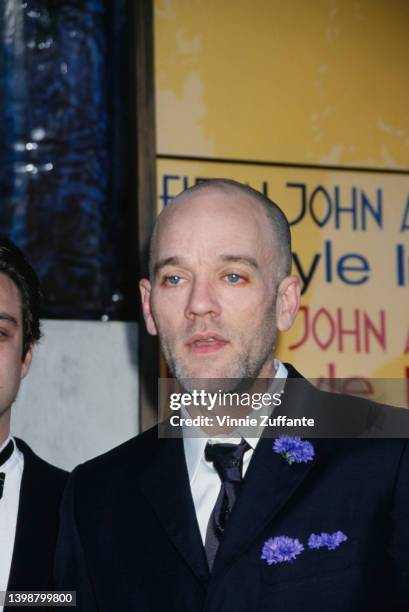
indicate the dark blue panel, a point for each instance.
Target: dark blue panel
{"x":61,"y":200}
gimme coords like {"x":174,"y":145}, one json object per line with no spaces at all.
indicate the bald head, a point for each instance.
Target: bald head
{"x":232,"y":191}
{"x":220,"y":285}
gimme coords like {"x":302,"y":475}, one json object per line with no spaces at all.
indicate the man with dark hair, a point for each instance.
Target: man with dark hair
{"x":238,"y":522}
{"x":30,"y":488}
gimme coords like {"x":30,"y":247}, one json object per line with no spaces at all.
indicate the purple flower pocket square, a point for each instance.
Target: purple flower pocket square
{"x":281,"y":549}
{"x":326,"y":540}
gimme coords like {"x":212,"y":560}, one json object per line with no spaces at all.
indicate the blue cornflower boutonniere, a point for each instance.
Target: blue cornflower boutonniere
{"x":280,"y":549}
{"x":293,"y":449}
{"x":326,"y":540}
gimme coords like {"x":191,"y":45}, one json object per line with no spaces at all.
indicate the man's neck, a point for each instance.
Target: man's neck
{"x":4,"y":426}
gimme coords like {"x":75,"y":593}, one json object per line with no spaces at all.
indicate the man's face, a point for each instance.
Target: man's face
{"x":12,"y":367}
{"x":213,"y":299}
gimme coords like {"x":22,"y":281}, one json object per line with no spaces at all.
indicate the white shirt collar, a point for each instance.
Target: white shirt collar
{"x":194,"y":447}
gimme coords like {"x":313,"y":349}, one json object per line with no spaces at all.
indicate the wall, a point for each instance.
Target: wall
{"x":83,"y":385}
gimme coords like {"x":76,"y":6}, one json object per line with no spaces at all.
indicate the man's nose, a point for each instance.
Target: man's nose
{"x":202,"y":300}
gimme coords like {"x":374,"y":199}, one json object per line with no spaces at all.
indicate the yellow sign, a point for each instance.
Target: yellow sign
{"x":309,"y":106}
{"x":351,"y":252}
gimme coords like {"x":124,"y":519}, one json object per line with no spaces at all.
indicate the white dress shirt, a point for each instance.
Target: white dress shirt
{"x":203,"y":478}
{"x":13,"y":469}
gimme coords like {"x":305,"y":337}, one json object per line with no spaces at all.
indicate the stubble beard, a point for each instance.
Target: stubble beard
{"x":237,"y":375}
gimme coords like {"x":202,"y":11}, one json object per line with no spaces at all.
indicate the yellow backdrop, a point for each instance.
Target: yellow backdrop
{"x":308,"y":102}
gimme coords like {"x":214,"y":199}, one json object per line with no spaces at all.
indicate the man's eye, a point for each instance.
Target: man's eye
{"x":173,"y":279}
{"x":233,"y":278}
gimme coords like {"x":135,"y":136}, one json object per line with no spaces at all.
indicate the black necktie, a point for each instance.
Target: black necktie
{"x":228,"y":463}
{"x":4,"y":456}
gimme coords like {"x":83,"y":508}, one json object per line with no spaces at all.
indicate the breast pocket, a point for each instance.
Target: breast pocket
{"x":313,"y":563}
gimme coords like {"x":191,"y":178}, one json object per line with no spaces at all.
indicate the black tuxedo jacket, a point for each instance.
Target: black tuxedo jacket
{"x":41,"y":490}
{"x":130,"y":541}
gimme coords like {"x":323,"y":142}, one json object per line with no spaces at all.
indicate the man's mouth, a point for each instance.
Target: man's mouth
{"x":201,"y":344}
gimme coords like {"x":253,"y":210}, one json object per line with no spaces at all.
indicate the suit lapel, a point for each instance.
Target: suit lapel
{"x":269,"y":484}
{"x":36,"y":527}
{"x":21,"y":569}
{"x":165,"y":483}
{"x":270,"y":481}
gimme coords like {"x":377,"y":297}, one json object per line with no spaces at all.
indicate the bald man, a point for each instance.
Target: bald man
{"x":233,"y":520}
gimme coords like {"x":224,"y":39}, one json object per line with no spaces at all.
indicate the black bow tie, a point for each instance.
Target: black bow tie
{"x":4,"y":456}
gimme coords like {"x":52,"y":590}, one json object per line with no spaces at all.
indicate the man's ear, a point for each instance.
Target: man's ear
{"x":288,"y":302}
{"x":26,"y":361}
{"x":145,"y":289}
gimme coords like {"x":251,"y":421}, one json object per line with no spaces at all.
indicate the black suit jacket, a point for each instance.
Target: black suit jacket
{"x":41,"y":490}
{"x":130,"y":540}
